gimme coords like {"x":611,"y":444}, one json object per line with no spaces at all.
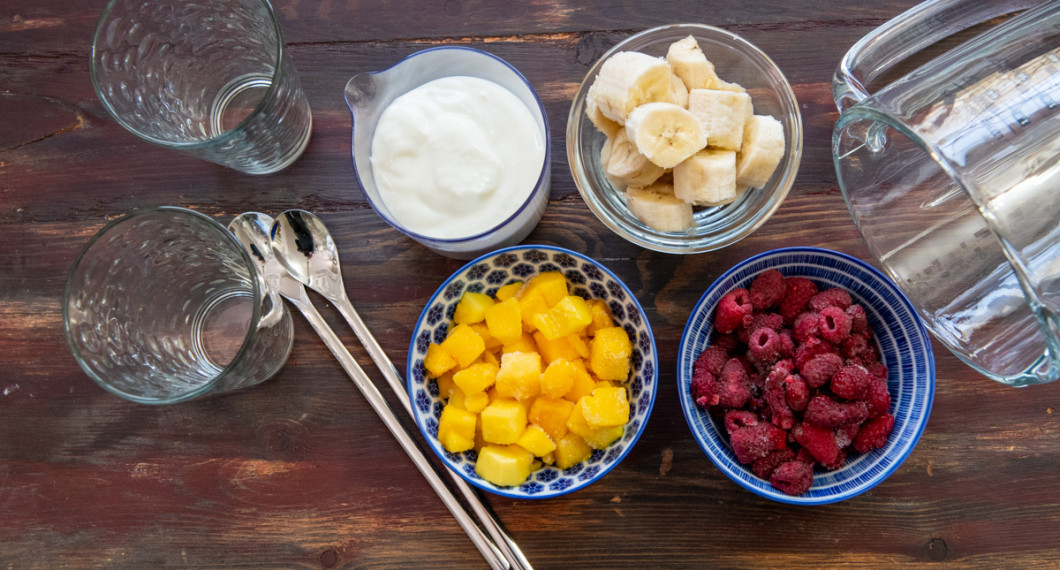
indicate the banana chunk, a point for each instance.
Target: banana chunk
{"x":723,"y":114}
{"x":626,"y":165}
{"x":603,"y":124}
{"x":762,"y":150}
{"x":680,"y":92}
{"x":658,"y":208}
{"x":691,"y":64}
{"x":707,"y":178}
{"x":665,"y":133}
{"x":627,"y":80}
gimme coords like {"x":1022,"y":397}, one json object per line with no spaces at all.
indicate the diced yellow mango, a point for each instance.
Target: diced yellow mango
{"x":551,"y":285}
{"x":558,"y":378}
{"x":602,"y":317}
{"x":571,"y":450}
{"x":530,"y":305}
{"x":472,"y":308}
{"x":548,"y":458}
{"x":445,"y":385}
{"x":525,"y":343}
{"x":456,"y":429}
{"x":488,"y":357}
{"x":504,"y":465}
{"x":476,"y":378}
{"x":536,"y":441}
{"x":456,"y":398}
{"x":577,"y":342}
{"x":610,"y":351}
{"x":520,"y":375}
{"x":569,"y":315}
{"x":503,"y":421}
{"x":437,"y":361}
{"x":603,"y":384}
{"x":583,"y":382}
{"x":606,"y":407}
{"x":603,"y":437}
{"x":553,"y":349}
{"x":550,"y":414}
{"x":483,"y":331}
{"x":504,"y":320}
{"x":576,"y":421}
{"x":464,"y":344}
{"x":508,"y":291}
{"x":475,"y":402}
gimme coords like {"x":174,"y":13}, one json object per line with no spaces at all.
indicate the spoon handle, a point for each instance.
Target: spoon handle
{"x":504,"y":541}
{"x":485,"y":546}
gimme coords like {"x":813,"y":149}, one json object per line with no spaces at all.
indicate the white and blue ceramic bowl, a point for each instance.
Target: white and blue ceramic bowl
{"x":905,"y":348}
{"x":588,"y":279}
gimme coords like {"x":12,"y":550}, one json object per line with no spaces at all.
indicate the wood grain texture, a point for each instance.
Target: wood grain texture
{"x":299,"y":473}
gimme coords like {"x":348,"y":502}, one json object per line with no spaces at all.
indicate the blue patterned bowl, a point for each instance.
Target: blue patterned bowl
{"x":590,"y":280}
{"x":905,"y":348}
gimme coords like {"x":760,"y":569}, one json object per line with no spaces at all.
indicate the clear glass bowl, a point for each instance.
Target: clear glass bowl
{"x":736,"y":61}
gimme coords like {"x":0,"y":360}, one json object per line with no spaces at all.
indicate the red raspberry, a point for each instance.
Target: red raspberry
{"x":834,"y":297}
{"x":764,"y":467}
{"x":780,"y":413}
{"x":818,"y":370}
{"x":736,"y":419}
{"x":712,"y":359}
{"x":851,"y":382}
{"x":878,"y":399}
{"x":728,"y":342}
{"x":764,"y":346}
{"x":733,"y":308}
{"x":759,"y":320}
{"x":840,"y":461}
{"x":767,"y":289}
{"x":826,"y":413}
{"x":734,"y":386}
{"x":807,"y":351}
{"x":787,"y":344}
{"x":806,"y":326}
{"x":705,"y":389}
{"x":755,"y":442}
{"x":874,"y":434}
{"x":845,"y":434}
{"x":797,"y":392}
{"x":878,"y":370}
{"x":792,"y":478}
{"x":819,"y":442}
{"x":859,"y":321}
{"x":834,"y":324}
{"x":797,"y":295}
{"x":860,"y":348}
{"x":804,"y":455}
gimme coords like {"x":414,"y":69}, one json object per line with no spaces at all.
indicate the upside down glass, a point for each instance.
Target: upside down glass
{"x":211,"y":78}
{"x":951,"y":173}
{"x":165,"y":305}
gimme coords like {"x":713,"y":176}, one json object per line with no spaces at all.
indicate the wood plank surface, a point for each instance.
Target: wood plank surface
{"x":299,"y":473}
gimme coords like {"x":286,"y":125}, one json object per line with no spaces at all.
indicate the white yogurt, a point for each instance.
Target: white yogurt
{"x":456,"y":156}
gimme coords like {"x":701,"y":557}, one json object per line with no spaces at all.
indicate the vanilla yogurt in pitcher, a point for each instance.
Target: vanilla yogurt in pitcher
{"x":456,"y":156}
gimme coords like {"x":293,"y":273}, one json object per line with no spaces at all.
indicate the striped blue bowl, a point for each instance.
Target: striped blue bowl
{"x":905,"y":348}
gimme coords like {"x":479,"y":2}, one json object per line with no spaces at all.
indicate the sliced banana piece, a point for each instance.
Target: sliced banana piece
{"x":658,"y":208}
{"x":626,"y":165}
{"x":707,"y":178}
{"x":680,"y":92}
{"x":762,"y":151}
{"x":599,"y":120}
{"x":723,"y":114}
{"x":665,"y":133}
{"x":691,"y":64}
{"x":629,"y":79}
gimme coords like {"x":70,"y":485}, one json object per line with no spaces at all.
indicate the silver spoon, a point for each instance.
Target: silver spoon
{"x":304,"y":246}
{"x":253,"y":231}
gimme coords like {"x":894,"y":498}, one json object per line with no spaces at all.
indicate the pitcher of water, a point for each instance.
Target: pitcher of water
{"x":952,"y":175}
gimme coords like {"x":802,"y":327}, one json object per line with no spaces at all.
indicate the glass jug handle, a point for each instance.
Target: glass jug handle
{"x":907,"y":34}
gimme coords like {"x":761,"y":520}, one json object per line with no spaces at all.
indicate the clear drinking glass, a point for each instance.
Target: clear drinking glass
{"x":951,"y":174}
{"x":211,"y":78}
{"x":165,"y":305}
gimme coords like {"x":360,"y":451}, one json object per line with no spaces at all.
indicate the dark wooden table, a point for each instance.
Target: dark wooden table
{"x":298,"y":472}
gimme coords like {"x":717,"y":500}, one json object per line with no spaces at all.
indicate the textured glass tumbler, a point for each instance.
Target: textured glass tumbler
{"x":210,"y":78}
{"x":165,"y":305}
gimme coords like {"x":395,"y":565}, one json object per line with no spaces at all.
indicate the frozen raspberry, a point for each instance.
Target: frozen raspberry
{"x":797,"y":392}
{"x":839,"y":462}
{"x":845,"y":434}
{"x":764,"y":346}
{"x":760,"y":320}
{"x":767,"y":289}
{"x":859,"y":321}
{"x":851,"y":382}
{"x":860,"y":348}
{"x":818,"y":370}
{"x":806,"y":326}
{"x":804,"y":455}
{"x":736,"y":419}
{"x":734,"y":385}
{"x":834,"y":324}
{"x":818,"y":441}
{"x":826,"y":413}
{"x":797,"y":295}
{"x":874,"y":434}
{"x":878,"y":370}
{"x":733,"y":308}
{"x":712,"y":359}
{"x":878,"y":398}
{"x":834,"y":297}
{"x":755,"y":442}
{"x":787,"y":344}
{"x":728,"y":342}
{"x":792,"y":478}
{"x":705,"y":389}
{"x":780,"y":413}
{"x":764,"y":467}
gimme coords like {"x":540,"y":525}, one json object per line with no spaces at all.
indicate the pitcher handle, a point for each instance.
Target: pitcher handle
{"x":907,"y":34}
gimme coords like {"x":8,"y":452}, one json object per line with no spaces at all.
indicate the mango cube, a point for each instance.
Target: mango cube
{"x":603,"y":437}
{"x":504,"y":320}
{"x":446,"y":384}
{"x":576,"y":422}
{"x":570,"y":451}
{"x":536,"y":441}
{"x":503,"y":421}
{"x":602,"y":317}
{"x":504,"y":465}
{"x":609,"y":354}
{"x":456,"y":429}
{"x":551,"y":285}
{"x":520,"y":375}
{"x":530,"y":305}
{"x":570,"y":315}
{"x":606,"y":407}
{"x":472,"y":308}
{"x":476,"y":402}
{"x":550,"y":414}
{"x":525,"y":343}
{"x":476,"y":378}
{"x":577,"y":342}
{"x":554,"y":349}
{"x":508,"y":291}
{"x":437,"y":361}
{"x":583,"y":382}
{"x":492,"y":342}
{"x":558,"y":378}
{"x":464,"y":345}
